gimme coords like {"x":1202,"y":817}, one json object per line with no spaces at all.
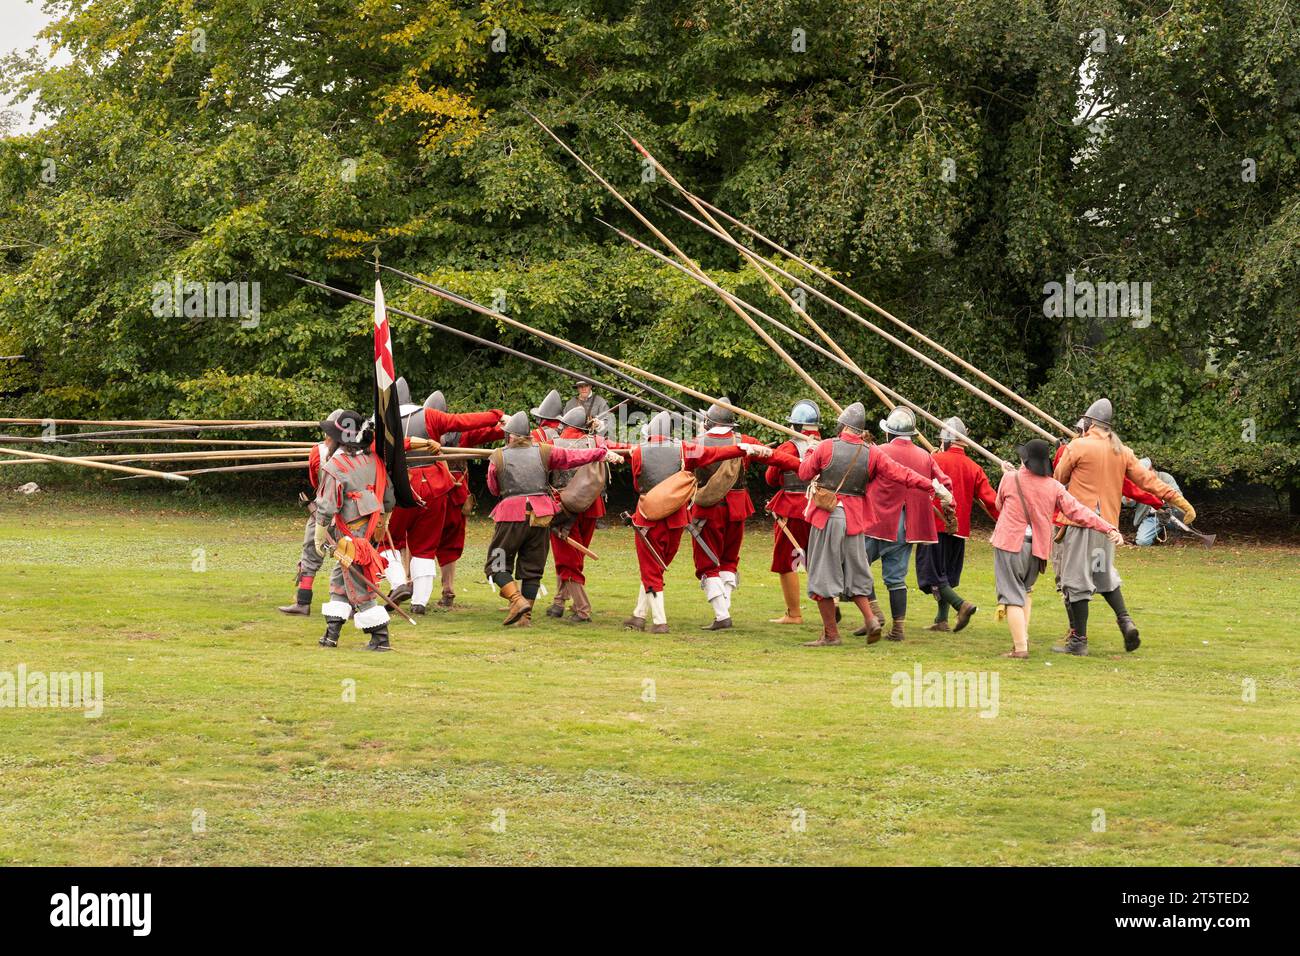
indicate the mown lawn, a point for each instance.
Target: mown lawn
{"x":564,"y":745}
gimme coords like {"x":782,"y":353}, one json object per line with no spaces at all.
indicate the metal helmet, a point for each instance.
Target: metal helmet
{"x":718,"y":416}
{"x":661,"y":425}
{"x":517,"y":424}
{"x":436,"y":401}
{"x":403,"y":391}
{"x":854,"y":417}
{"x":1100,"y":412}
{"x":345,"y":426}
{"x":576,"y":417}
{"x":805,"y":412}
{"x":953,"y":430}
{"x":901,"y":422}
{"x":552,"y":407}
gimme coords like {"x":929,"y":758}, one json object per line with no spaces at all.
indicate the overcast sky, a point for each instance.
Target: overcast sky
{"x":21,"y":20}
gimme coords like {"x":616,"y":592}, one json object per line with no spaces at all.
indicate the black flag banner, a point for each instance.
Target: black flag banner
{"x":389,"y":439}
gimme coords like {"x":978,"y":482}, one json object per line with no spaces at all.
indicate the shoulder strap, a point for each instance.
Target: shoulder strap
{"x":1019,"y":491}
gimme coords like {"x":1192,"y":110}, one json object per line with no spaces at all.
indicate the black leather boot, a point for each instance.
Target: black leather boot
{"x":331,"y":636}
{"x":378,"y":638}
{"x":1074,"y":644}
{"x":1130,"y":632}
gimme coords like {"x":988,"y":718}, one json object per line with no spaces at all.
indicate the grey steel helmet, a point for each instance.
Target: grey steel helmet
{"x":900,"y":423}
{"x":576,"y":417}
{"x":436,"y":401}
{"x":719,"y":416}
{"x":1100,"y":412}
{"x":552,"y":407}
{"x":854,"y":417}
{"x":661,"y":425}
{"x":953,"y":430}
{"x":403,"y":391}
{"x":805,"y":412}
{"x":517,"y":424}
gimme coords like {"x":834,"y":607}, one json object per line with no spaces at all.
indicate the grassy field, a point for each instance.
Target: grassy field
{"x":226,"y":739}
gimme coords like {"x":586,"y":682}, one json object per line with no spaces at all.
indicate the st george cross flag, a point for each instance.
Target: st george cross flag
{"x":389,"y":445}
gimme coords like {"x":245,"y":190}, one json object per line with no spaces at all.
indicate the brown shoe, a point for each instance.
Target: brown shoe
{"x":896,"y":630}
{"x":871,"y":630}
{"x":634,"y":623}
{"x":1017,"y":655}
{"x":723,"y":625}
{"x":659,"y":629}
{"x":519,"y":605}
{"x":941,"y":626}
{"x":301,"y":609}
{"x":964,"y":614}
{"x":555,"y":610}
{"x":400,"y":594}
{"x":525,"y":619}
{"x":824,"y":641}
{"x":418,"y":609}
{"x":448,"y":600}
{"x":790,"y":591}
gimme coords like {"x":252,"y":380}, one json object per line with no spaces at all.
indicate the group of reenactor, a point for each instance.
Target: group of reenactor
{"x":842,"y":503}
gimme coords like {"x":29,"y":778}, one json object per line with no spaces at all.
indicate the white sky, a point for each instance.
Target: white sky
{"x":21,"y":19}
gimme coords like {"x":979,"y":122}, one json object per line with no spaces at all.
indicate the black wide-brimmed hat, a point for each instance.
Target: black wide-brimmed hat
{"x":1037,"y":456}
{"x":345,"y":426}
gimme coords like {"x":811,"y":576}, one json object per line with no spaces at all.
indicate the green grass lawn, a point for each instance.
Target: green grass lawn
{"x":221,"y":711}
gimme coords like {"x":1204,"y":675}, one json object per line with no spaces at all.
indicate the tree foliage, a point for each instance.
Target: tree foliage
{"x":929,"y":153}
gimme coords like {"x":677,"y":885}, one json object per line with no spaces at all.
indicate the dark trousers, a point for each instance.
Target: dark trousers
{"x":517,"y":550}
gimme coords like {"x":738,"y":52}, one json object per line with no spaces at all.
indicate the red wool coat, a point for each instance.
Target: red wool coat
{"x":785,"y":503}
{"x":887,"y":499}
{"x":969,"y":484}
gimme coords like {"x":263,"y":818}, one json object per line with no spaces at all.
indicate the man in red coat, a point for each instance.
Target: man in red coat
{"x":901,"y":516}
{"x":787,"y":507}
{"x":420,"y":528}
{"x":655,"y":459}
{"x":451,"y":543}
{"x":309,"y":562}
{"x":721,"y":507}
{"x":570,"y":563}
{"x":939,"y":565}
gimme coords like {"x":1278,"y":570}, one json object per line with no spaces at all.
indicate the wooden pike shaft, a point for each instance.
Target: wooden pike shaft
{"x":885,"y":314}
{"x":231,"y":442}
{"x":948,"y":373}
{"x":197,"y":455}
{"x":87,"y":463}
{"x":556,"y":340}
{"x":270,"y":466}
{"x":897,"y":398}
{"x":157,"y":422}
{"x":758,"y":330}
{"x":776,"y":287}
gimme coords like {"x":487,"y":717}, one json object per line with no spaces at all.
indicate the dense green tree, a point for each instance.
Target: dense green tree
{"x":929,"y":152}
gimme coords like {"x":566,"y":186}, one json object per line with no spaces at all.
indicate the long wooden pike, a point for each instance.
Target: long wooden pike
{"x":692,"y":264}
{"x":220,"y":443}
{"x":430,"y":286}
{"x":799,"y":336}
{"x":885,"y":314}
{"x":947,"y":373}
{"x":478,"y":340}
{"x":775,"y":286}
{"x":162,"y":422}
{"x":555,"y":340}
{"x":86,"y":463}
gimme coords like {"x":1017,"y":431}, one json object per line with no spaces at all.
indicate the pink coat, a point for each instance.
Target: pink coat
{"x":1045,"y":496}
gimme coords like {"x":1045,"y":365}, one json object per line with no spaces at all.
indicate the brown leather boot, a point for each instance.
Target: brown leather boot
{"x":830,"y":636}
{"x":895,"y":630}
{"x":941,"y":626}
{"x":872,"y":623}
{"x":400,"y":593}
{"x":519,"y":605}
{"x":964,"y":614}
{"x":634,"y":623}
{"x":448,"y":600}
{"x":790,"y":591}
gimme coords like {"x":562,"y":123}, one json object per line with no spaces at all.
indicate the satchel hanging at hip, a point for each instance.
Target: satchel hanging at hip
{"x":824,"y":498}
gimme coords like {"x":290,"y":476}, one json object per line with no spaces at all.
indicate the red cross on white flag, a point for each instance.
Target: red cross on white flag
{"x":385,"y":373}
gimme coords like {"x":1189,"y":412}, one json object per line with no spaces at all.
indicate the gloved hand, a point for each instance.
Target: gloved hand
{"x":1182,"y":504}
{"x":1008,"y":468}
{"x":1115,"y":537}
{"x":322,"y":535}
{"x":941,"y":489}
{"x":755,"y":451}
{"x":600,"y":426}
{"x":613,"y":457}
{"x":423,"y":444}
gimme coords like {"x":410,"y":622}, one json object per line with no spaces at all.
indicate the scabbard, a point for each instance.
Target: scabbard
{"x":694,"y":528}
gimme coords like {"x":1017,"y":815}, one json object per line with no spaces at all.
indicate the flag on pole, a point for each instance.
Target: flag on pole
{"x":389,"y":444}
